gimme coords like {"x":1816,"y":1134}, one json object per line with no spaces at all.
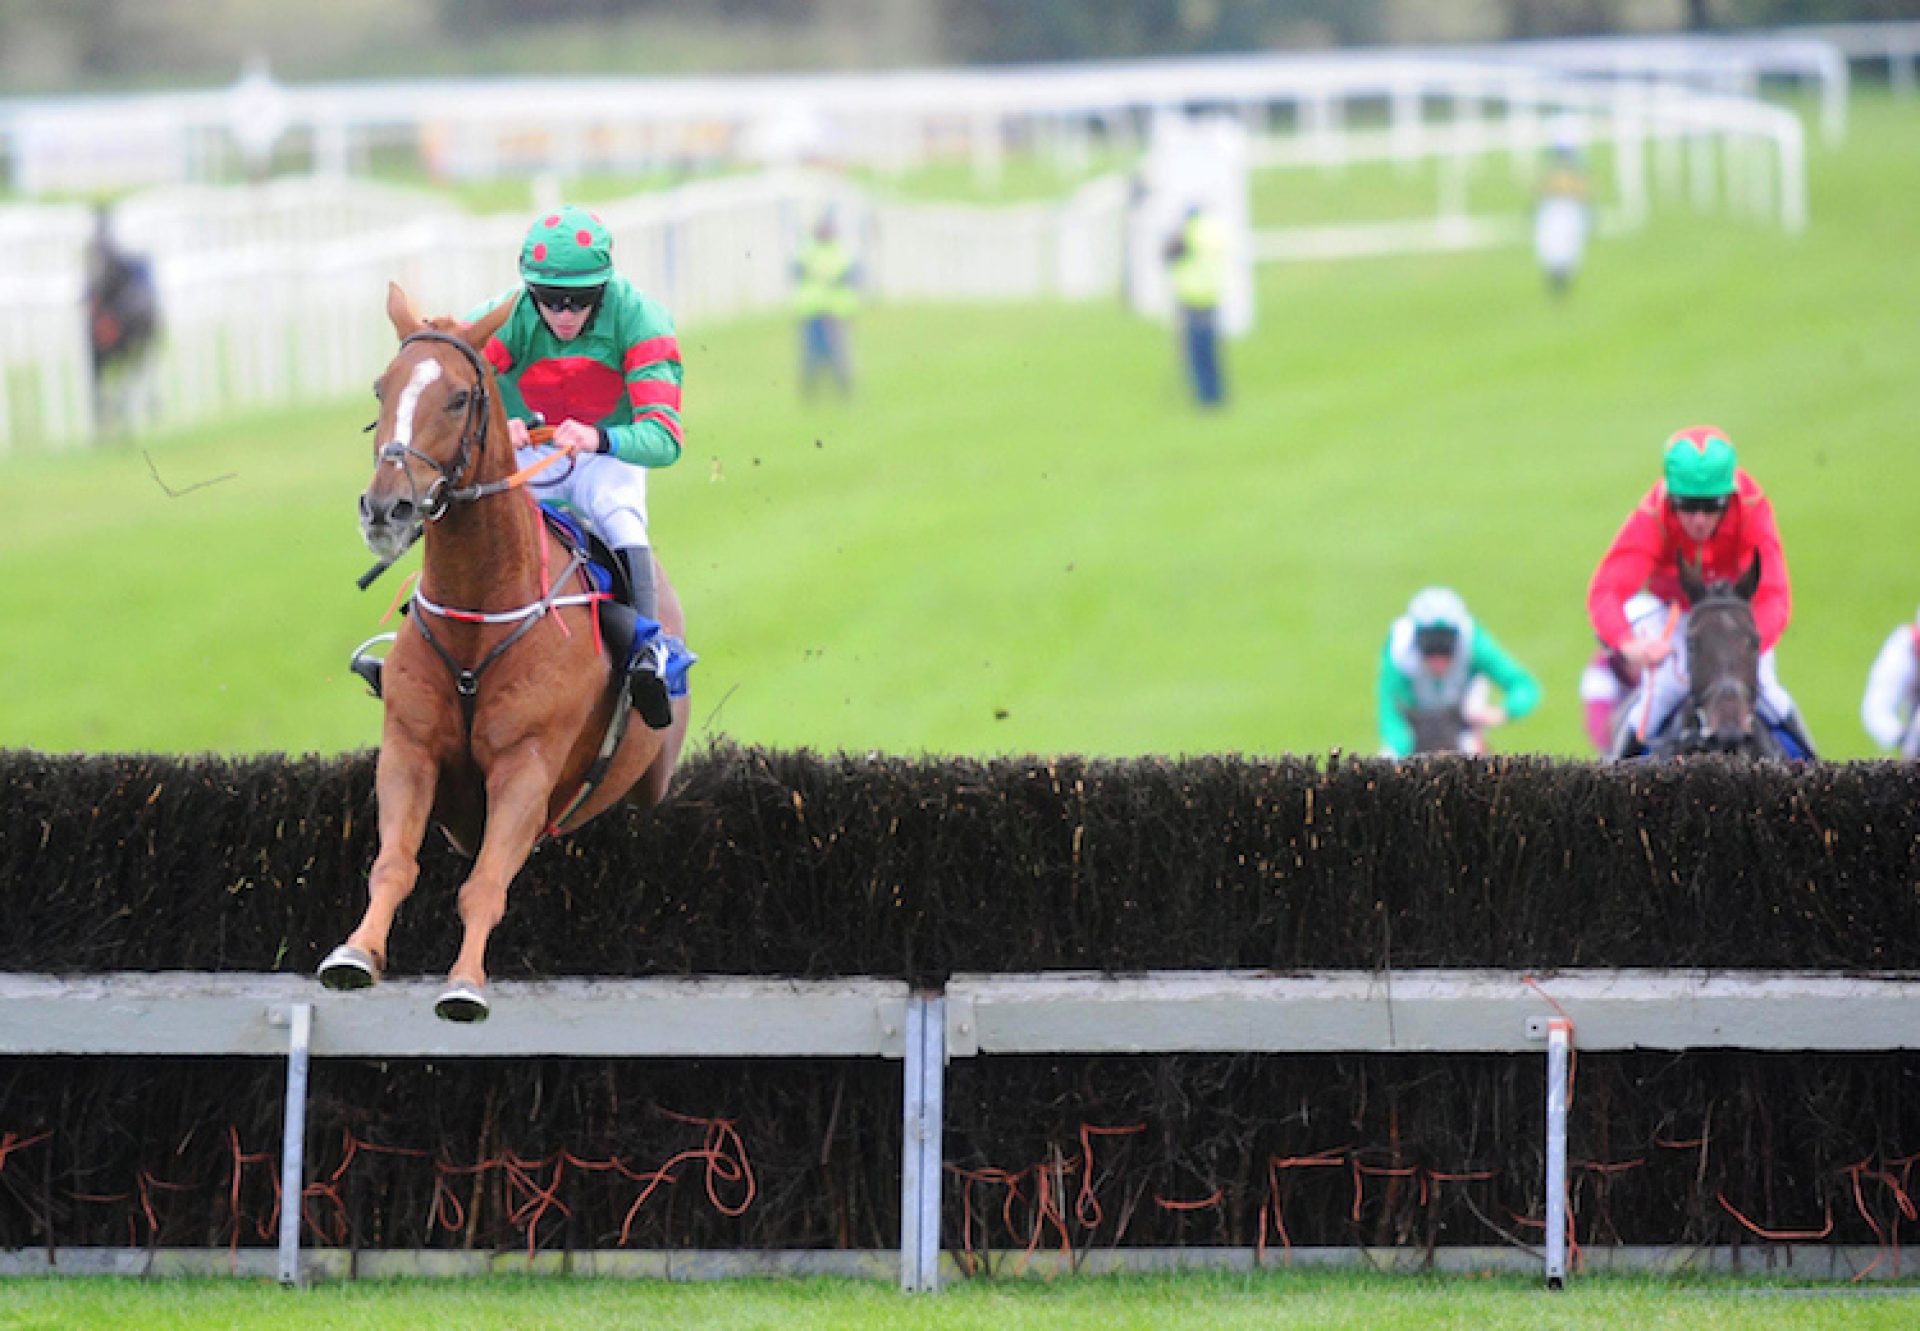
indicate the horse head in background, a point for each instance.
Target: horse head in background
{"x":505,"y":719}
{"x":1723,"y":671}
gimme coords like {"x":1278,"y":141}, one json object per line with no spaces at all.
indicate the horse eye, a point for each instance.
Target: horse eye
{"x":457,"y":401}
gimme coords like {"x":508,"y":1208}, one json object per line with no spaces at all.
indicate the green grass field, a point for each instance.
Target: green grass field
{"x":1020,"y":537}
{"x":1320,"y":1301}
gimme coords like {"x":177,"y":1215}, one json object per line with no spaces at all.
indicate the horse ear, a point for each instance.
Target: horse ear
{"x":406,"y":320}
{"x":481,"y":330}
{"x":1750,"y":580}
{"x":1691,"y":583}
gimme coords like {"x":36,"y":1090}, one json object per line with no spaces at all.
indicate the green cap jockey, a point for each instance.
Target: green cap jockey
{"x":567,"y":248}
{"x":1700,"y":464}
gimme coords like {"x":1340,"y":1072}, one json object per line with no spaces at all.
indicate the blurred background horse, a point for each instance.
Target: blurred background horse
{"x":123,"y":322}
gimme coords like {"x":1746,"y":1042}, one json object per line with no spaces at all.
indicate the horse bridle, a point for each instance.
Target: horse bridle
{"x":446,"y":490}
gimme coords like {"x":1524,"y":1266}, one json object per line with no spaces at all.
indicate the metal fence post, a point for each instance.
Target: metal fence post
{"x":933,"y":1067}
{"x":293,"y":1141}
{"x":912,"y":1120}
{"x":921,"y":1141}
{"x":1559,"y":1062}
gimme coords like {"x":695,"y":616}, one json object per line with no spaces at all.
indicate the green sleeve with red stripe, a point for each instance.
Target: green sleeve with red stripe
{"x":650,"y":364}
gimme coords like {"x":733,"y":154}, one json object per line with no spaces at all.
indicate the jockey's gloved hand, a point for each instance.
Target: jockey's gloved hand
{"x":1646,"y":652}
{"x":1485,"y":716}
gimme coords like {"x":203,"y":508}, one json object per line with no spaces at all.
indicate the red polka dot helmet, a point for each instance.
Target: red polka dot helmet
{"x":568,"y":247}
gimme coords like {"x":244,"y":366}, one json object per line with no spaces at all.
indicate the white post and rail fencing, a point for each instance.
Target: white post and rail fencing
{"x":1402,"y":1012}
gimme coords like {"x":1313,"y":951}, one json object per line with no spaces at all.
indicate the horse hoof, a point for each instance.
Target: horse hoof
{"x":462,"y":1002}
{"x":348,"y":967}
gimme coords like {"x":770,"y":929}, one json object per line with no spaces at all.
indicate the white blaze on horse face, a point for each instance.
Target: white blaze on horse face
{"x":424,"y":373}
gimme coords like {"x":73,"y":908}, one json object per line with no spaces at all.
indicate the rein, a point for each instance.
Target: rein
{"x":1646,"y":677}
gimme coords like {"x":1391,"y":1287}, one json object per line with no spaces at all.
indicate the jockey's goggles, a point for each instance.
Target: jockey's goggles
{"x":1700,"y":503}
{"x":1436,"y":641}
{"x":561,"y":300}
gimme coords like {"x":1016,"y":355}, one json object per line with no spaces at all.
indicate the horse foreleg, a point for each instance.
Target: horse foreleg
{"x":403,"y":787}
{"x":519,"y":790}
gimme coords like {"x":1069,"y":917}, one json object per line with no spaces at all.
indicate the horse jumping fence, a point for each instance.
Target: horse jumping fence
{"x":1384,"y":1012}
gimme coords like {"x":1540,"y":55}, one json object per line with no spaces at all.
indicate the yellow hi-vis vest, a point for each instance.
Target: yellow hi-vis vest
{"x":826,"y":285}
{"x":1202,"y":266}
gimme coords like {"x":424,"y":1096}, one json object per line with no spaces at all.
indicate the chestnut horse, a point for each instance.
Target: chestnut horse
{"x":499,"y":694}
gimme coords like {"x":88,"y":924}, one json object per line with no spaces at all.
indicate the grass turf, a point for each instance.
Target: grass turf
{"x":1324,"y":1301}
{"x":1020,"y":537}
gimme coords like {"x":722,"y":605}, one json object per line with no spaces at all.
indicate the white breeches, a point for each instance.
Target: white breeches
{"x":610,"y":495}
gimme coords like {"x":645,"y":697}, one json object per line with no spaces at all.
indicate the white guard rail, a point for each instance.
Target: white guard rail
{"x":1421,"y":1012}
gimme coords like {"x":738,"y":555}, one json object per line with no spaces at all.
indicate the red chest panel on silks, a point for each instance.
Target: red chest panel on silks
{"x":571,"y":388}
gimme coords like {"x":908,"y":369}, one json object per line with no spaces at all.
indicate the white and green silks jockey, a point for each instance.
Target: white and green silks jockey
{"x":1433,"y":657}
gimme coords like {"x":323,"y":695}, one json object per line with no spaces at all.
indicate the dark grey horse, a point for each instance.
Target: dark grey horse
{"x":1723,"y":672}
{"x":1442,"y":730}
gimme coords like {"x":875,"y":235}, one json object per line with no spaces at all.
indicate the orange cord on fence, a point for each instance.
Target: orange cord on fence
{"x":1086,"y":1207}
{"x":264,"y":1229}
{"x":1331,"y":1157}
{"x":12,"y":1141}
{"x":1888,"y":1240}
{"x":1777,"y":1235}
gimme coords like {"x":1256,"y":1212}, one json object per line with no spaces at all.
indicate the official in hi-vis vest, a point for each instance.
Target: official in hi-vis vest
{"x":1197,"y":258}
{"x":825,"y":298}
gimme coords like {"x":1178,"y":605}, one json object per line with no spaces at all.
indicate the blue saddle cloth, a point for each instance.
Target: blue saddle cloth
{"x":574,"y":536}
{"x":1790,"y":746}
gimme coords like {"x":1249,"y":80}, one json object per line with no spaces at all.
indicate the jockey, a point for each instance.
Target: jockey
{"x":1434,"y":655}
{"x":595,"y":358}
{"x":1891,"y":706}
{"x":1714,"y":516}
{"x":1610,"y":678}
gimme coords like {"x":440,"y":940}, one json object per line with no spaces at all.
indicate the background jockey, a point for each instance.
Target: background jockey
{"x":597,"y":360}
{"x":1891,"y":708}
{"x":1610,"y":677}
{"x":1710,"y":513}
{"x":1434,"y":655}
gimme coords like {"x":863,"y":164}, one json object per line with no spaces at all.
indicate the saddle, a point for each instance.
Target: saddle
{"x":602,"y":568}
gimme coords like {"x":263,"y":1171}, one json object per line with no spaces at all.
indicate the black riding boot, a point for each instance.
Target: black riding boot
{"x":647,"y":654}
